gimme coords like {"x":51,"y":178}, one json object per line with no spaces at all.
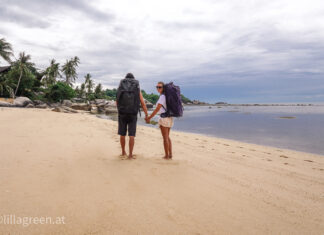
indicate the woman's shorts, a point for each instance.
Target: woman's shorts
{"x":166,"y":122}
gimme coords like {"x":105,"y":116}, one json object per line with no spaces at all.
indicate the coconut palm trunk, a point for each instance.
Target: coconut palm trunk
{"x":21,"y":72}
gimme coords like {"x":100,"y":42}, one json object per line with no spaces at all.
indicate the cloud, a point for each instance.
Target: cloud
{"x":14,"y":15}
{"x":261,"y":47}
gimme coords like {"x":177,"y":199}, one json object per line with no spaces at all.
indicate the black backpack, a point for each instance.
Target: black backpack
{"x":128,"y":101}
{"x":173,"y":101}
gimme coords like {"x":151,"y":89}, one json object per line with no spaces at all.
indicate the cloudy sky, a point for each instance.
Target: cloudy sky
{"x":216,"y":50}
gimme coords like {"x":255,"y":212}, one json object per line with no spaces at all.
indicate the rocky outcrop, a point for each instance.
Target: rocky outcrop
{"x":78,"y":100}
{"x":41,"y":106}
{"x":94,"y":110}
{"x":97,"y":106}
{"x":6,"y":104}
{"x":67,"y":103}
{"x":81,"y":106}
{"x":54,"y":105}
{"x":37,"y":102}
{"x":111,"y":110}
{"x":18,"y":102}
{"x":64,"y":109}
{"x":100,"y":101}
{"x":148,"y":104}
{"x":30,"y":106}
{"x":22,"y":101}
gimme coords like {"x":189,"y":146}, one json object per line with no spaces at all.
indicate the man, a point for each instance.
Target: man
{"x":129,"y":97}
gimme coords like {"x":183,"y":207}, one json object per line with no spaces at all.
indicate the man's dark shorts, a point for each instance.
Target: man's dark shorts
{"x":127,"y":122}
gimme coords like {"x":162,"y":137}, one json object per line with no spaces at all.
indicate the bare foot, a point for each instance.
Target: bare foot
{"x":170,"y":157}
{"x":123,"y":154}
{"x":166,"y":157}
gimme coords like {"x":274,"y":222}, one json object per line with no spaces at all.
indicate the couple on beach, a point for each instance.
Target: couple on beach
{"x":128,"y":99}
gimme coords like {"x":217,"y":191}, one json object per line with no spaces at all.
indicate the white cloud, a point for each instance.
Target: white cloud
{"x":179,"y":40}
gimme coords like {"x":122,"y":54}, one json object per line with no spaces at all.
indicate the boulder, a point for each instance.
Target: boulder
{"x":67,"y":103}
{"x":54,"y":105}
{"x":111,"y":103}
{"x":22,"y":101}
{"x":64,"y":110}
{"x":37,"y":102}
{"x":5,"y":104}
{"x":41,"y":106}
{"x":57,"y":109}
{"x":69,"y":110}
{"x":101,"y":108}
{"x":77,"y":100}
{"x":94,"y":110}
{"x":111,"y":110}
{"x":30,"y":106}
{"x":149,"y":105}
{"x":100,"y":101}
{"x":81,"y":106}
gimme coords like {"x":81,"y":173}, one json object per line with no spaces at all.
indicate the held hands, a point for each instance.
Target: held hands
{"x":147,"y":119}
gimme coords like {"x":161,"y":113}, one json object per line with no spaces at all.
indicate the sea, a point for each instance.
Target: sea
{"x":296,"y":127}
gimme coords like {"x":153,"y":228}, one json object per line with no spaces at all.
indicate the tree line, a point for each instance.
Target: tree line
{"x":52,"y":84}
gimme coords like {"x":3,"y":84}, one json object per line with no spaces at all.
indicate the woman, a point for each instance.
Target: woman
{"x":165,"y":123}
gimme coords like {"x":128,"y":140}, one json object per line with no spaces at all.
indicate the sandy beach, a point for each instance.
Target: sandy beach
{"x":59,"y":164}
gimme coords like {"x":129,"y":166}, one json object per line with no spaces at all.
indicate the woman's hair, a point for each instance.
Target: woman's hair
{"x":162,"y":83}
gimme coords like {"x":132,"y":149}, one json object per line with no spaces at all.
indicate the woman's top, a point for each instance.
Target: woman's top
{"x":162,"y":101}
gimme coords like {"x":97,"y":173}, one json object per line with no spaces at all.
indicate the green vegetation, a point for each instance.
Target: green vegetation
{"x":153,"y":98}
{"x":59,"y":92}
{"x":111,"y":94}
{"x":185,"y":100}
{"x":5,"y":50}
{"x":53,"y":84}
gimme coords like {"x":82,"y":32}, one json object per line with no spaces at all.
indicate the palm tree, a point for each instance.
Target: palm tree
{"x":4,"y":85}
{"x":98,"y":89}
{"x":5,"y":50}
{"x":69,"y":70}
{"x":23,"y":65}
{"x":51,"y":73}
{"x":82,"y":90}
{"x":88,"y":83}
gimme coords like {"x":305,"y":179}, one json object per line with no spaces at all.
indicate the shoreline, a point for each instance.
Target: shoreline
{"x":113,"y":117}
{"x":63,"y":164}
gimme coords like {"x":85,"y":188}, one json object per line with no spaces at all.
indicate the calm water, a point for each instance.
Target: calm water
{"x":259,"y":125}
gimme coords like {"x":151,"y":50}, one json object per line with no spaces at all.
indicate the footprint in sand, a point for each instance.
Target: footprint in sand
{"x":286,"y":163}
{"x":239,"y":147}
{"x":283,"y":156}
{"x":226,"y":144}
{"x":252,"y":150}
{"x":269,"y":160}
{"x":308,"y":160}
